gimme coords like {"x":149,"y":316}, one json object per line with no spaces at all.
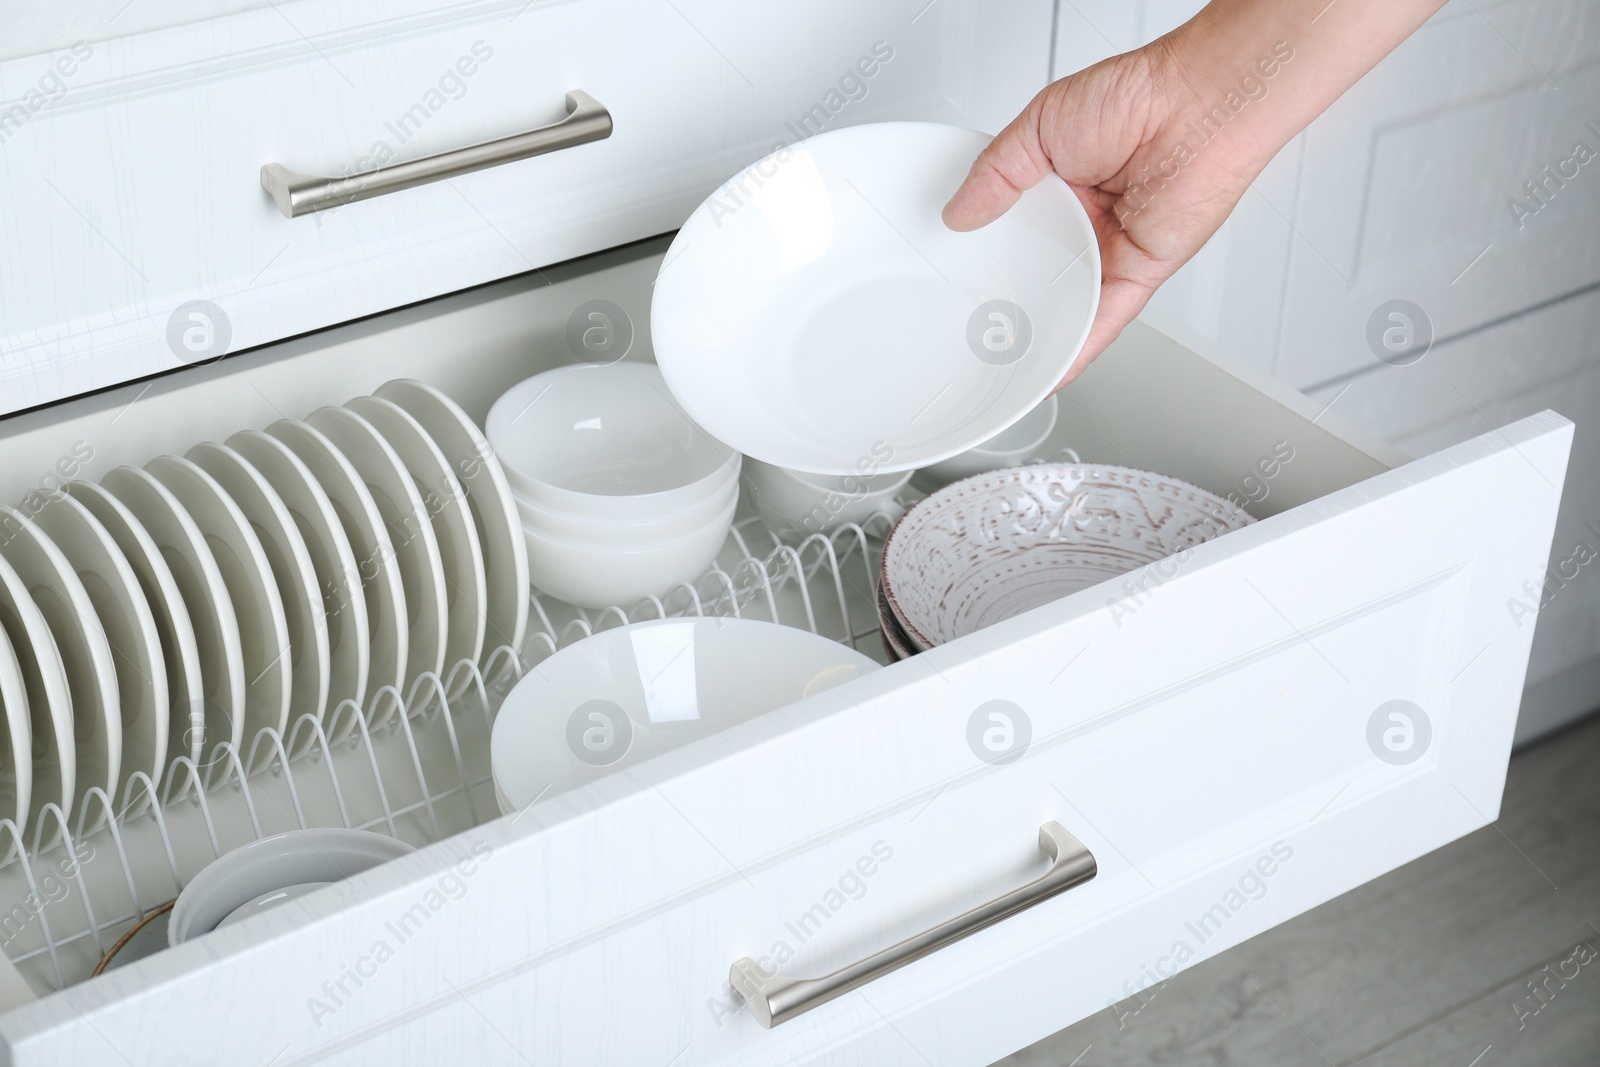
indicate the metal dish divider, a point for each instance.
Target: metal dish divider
{"x":421,"y":776}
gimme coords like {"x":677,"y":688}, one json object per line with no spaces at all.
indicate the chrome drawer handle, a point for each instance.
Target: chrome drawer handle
{"x":300,"y":194}
{"x":775,"y":1000}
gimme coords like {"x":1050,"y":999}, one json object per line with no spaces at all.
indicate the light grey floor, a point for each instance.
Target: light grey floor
{"x":1483,"y":953}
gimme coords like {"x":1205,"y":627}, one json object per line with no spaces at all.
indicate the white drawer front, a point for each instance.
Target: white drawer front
{"x":133,"y":190}
{"x":1210,"y":737}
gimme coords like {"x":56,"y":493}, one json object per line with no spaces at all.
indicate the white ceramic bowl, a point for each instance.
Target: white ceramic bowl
{"x":570,"y":527}
{"x":607,"y":442}
{"x":996,"y":545}
{"x":1011,"y":447}
{"x":796,"y":505}
{"x":592,"y":574}
{"x":616,"y":699}
{"x":239,"y":877}
{"x":816,"y":307}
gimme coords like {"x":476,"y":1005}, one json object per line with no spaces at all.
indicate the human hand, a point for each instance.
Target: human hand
{"x":1110,"y":132}
{"x":1160,"y":143}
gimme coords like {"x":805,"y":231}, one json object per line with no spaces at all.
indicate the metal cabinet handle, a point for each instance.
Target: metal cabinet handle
{"x":300,"y":194}
{"x":774,"y":1000}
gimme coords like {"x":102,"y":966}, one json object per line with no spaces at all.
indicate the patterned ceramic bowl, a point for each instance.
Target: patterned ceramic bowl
{"x":895,"y":641}
{"x":996,"y":545}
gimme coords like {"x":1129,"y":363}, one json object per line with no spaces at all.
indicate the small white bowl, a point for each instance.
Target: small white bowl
{"x":608,"y":442}
{"x":567,"y":526}
{"x":594,"y":575}
{"x":1008,"y":448}
{"x":269,"y":900}
{"x":796,"y":505}
{"x":239,"y":877}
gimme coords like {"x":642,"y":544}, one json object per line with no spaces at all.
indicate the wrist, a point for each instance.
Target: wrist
{"x":1232,"y":81}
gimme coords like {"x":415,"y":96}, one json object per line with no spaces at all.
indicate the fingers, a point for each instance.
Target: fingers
{"x":1013,"y":162}
{"x":1120,"y":303}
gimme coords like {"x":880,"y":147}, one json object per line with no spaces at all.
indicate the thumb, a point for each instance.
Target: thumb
{"x":1013,"y":162}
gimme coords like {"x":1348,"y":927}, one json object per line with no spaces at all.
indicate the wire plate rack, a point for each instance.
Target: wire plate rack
{"x":414,"y":765}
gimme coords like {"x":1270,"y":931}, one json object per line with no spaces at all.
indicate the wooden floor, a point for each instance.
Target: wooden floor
{"x":1484,"y":953}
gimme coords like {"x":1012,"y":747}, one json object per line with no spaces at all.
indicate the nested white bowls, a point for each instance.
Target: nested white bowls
{"x":616,"y":699}
{"x":620,"y":495}
{"x":1010,"y":448}
{"x":607,"y":442}
{"x":817,"y":306}
{"x":595,"y":574}
{"x":795,"y":505}
{"x":996,"y":545}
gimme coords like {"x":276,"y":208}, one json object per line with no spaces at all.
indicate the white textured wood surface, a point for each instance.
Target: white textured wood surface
{"x":1545,"y":359}
{"x":134,"y":188}
{"x":1428,"y":964}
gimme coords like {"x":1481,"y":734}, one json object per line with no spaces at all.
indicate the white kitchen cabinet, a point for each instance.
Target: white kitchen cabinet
{"x":1218,"y":730}
{"x":135,"y":235}
{"x":1206,"y":731}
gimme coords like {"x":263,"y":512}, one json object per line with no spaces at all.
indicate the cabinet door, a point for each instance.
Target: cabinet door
{"x":1235,"y":736}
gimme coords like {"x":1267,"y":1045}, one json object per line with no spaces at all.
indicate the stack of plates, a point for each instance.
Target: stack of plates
{"x":995,"y":545}
{"x":289,"y":572}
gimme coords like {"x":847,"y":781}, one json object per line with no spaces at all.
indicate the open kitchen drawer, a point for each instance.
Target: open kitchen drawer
{"x":1217,"y":731}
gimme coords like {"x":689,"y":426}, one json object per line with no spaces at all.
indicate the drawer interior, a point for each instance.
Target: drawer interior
{"x":1151,"y":402}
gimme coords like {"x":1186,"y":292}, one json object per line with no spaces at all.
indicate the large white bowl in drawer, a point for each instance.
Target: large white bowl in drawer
{"x":137,"y":236}
{"x":1236,"y":735}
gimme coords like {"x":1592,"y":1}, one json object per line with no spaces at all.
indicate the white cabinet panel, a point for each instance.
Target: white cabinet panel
{"x":133,"y":190}
{"x":1210,"y":737}
{"x":1409,"y":182}
{"x":1546,"y":359}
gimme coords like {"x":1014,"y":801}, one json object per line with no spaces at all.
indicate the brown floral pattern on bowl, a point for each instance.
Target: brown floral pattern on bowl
{"x":995,"y":545}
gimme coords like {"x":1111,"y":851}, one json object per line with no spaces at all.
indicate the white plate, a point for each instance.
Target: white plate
{"x":85,"y":656}
{"x":292,"y":570}
{"x":49,"y":702}
{"x":388,"y":626}
{"x":247,"y":575}
{"x":825,"y":318}
{"x":344,"y":605}
{"x":204,"y":596}
{"x":130,"y":628}
{"x":445,"y":501}
{"x":618,"y":698}
{"x":180,"y":651}
{"x":494,"y":509}
{"x":416,"y":549}
{"x":996,"y":545}
{"x":16,"y":744}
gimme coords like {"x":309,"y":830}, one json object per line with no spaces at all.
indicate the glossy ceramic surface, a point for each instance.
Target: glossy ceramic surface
{"x":816,"y":310}
{"x":613,"y":700}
